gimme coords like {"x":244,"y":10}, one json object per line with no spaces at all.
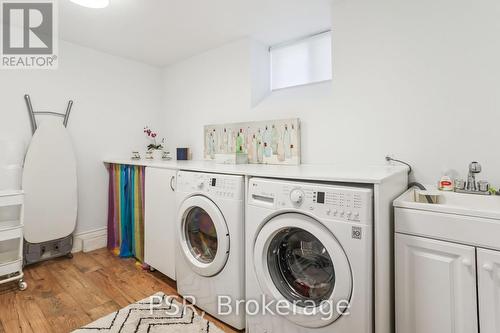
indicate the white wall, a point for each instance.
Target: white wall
{"x":114,"y":99}
{"x":211,"y":88}
{"x":426,"y":75}
{"x":415,"y":79}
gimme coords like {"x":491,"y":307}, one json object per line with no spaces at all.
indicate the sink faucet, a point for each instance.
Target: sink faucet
{"x":474,"y":168}
{"x":471,"y":185}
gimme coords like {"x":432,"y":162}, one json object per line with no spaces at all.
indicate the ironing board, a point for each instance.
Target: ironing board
{"x":50,"y":185}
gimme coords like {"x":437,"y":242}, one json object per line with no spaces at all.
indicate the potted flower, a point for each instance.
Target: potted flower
{"x":154,"y":148}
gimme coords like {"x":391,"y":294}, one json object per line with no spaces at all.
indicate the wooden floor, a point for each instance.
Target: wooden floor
{"x":65,"y":294}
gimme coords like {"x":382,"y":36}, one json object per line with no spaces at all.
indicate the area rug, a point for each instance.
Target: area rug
{"x":166,"y":315}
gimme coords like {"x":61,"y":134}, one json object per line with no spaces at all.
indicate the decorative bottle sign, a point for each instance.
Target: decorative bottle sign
{"x":264,"y":142}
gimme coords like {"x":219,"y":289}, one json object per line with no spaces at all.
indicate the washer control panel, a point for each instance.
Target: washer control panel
{"x":354,"y":204}
{"x":214,"y":185}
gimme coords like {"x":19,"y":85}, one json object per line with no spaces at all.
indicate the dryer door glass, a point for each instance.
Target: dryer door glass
{"x":300,"y":264}
{"x":301,"y":267}
{"x":201,"y":235}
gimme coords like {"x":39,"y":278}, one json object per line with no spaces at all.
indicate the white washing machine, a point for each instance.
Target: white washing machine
{"x":210,"y":242}
{"x":309,"y":258}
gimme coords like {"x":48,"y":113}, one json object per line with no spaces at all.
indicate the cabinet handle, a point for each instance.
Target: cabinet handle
{"x":467,"y":262}
{"x":488,"y":267}
{"x":172,"y":183}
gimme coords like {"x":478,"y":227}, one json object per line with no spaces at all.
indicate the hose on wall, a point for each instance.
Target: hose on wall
{"x":410,"y":170}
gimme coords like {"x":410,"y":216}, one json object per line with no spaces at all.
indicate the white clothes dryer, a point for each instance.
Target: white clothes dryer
{"x":210,"y":243}
{"x":309,"y":257}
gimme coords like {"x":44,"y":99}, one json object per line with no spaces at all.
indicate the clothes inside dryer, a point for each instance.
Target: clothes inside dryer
{"x":201,"y":235}
{"x":301,"y":267}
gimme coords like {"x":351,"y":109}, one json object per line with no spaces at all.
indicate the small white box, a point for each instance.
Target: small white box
{"x":234,"y":158}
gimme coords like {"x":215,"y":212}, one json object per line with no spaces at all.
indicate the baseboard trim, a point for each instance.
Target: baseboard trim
{"x":90,"y":240}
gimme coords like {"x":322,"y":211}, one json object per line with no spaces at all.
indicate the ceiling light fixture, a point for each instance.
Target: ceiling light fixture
{"x":92,"y":3}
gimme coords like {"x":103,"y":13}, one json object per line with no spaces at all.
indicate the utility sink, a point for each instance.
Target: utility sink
{"x":456,"y":217}
{"x":487,"y":206}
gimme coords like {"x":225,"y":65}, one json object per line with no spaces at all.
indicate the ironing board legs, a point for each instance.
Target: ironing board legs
{"x":32,"y":113}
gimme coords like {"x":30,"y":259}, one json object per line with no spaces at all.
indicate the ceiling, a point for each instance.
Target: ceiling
{"x":162,"y":32}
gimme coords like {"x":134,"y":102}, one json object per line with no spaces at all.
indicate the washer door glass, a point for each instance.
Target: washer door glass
{"x":301,"y":267}
{"x":201,"y":235}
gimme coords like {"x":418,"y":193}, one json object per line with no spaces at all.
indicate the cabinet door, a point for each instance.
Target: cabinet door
{"x":488,"y":263}
{"x":160,"y":214}
{"x":435,"y":286}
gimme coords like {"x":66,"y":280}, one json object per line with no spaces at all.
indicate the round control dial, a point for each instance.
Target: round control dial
{"x":297,"y":197}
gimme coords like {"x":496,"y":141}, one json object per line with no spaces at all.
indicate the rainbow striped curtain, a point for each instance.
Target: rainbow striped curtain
{"x":126,"y":210}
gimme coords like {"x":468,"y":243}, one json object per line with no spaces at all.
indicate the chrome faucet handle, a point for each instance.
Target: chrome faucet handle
{"x":474,"y":167}
{"x":483,"y":186}
{"x":459,"y":184}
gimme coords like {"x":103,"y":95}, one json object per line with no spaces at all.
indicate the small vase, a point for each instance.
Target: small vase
{"x":157,"y":154}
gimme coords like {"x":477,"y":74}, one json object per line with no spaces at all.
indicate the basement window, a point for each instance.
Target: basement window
{"x":303,"y":61}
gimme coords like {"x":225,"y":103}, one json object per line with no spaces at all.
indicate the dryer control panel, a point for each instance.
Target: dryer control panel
{"x":213,"y":185}
{"x":353,"y":204}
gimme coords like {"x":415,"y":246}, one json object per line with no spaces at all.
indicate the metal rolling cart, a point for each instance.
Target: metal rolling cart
{"x":11,"y":237}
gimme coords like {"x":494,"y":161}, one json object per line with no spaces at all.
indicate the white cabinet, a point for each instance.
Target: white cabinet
{"x":160,"y":214}
{"x":435,"y":286}
{"x":488,"y":265}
